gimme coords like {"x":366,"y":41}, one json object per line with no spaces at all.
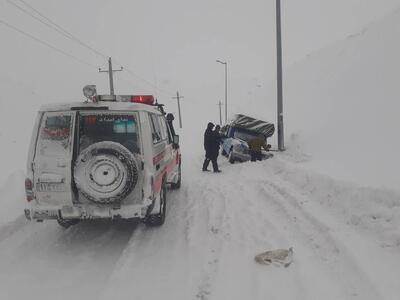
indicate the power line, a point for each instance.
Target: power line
{"x":44,"y":17}
{"x":36,"y":18}
{"x":51,"y":24}
{"x":129,"y":81}
{"x":128,"y":71}
{"x":46,"y":44}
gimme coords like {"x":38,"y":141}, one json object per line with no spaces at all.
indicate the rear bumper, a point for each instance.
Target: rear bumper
{"x":85,"y":212}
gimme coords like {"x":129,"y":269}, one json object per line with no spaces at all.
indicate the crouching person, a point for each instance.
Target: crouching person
{"x":255,"y":146}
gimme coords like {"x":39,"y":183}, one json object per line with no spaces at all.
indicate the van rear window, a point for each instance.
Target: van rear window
{"x":55,"y":134}
{"x":56,"y":127}
{"x":119,"y":128}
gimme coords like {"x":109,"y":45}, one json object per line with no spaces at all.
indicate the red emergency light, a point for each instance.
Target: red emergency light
{"x":145,"y":99}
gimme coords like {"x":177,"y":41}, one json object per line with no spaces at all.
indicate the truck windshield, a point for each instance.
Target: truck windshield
{"x":119,"y":128}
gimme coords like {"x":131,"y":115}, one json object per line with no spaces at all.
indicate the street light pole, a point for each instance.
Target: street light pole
{"x":220,"y":112}
{"x":281,"y":146}
{"x":226,"y":88}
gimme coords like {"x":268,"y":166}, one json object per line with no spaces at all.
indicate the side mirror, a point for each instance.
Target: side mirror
{"x":176,"y":141}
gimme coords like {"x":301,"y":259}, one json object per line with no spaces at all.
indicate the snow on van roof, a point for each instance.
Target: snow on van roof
{"x":98,"y":105}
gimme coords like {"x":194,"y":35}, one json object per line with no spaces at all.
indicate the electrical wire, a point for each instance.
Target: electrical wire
{"x":130,"y":72}
{"x":46,"y":44}
{"x":53,"y":25}
{"x":36,"y":18}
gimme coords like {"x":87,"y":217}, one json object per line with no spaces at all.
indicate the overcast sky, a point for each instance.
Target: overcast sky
{"x":170,"y":44}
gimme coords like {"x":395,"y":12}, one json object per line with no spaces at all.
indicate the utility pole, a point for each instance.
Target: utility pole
{"x":110,"y":72}
{"x":281,"y":145}
{"x":220,"y":112}
{"x":178,"y":97}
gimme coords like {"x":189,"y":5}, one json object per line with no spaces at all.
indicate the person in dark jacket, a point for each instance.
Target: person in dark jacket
{"x":211,"y":147}
{"x":217,"y":140}
{"x":170,"y":119}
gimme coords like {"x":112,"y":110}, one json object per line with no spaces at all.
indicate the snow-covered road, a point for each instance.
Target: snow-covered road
{"x":345,"y":238}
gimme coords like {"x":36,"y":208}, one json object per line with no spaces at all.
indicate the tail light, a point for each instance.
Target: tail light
{"x":28,"y":189}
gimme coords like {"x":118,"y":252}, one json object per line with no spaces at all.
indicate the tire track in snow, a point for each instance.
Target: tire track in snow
{"x":364,"y":249}
{"x":251,"y":231}
{"x":212,"y":210}
{"x":155,"y":261}
{"x":74,"y":263}
{"x":341,"y":266}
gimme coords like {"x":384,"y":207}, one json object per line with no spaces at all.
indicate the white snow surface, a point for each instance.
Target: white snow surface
{"x":345,"y":239}
{"x":331,"y":196}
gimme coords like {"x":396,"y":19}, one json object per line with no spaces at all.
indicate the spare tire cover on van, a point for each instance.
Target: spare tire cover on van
{"x":106,"y":172}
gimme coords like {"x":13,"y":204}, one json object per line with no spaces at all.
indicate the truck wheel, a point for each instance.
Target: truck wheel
{"x":177,"y":185}
{"x":159,"y":218}
{"x":106,"y":172}
{"x":67,"y":223}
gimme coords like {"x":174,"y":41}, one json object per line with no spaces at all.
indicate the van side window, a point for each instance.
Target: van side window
{"x":155,"y":128}
{"x":163,"y":128}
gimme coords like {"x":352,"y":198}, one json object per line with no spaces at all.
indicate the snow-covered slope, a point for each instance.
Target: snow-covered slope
{"x":342,"y":106}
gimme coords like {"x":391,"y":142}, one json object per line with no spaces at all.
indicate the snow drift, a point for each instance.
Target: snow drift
{"x":342,"y":106}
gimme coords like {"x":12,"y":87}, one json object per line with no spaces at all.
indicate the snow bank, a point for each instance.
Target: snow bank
{"x":342,"y":106}
{"x":374,"y":211}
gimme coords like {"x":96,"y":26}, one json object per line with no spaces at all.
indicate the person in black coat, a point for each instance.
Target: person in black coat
{"x":211,"y":147}
{"x":170,"y":118}
{"x":216,"y":140}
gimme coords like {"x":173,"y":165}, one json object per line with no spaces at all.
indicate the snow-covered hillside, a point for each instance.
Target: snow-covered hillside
{"x":342,"y":106}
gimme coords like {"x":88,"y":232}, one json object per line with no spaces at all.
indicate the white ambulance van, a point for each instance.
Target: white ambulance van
{"x":109,"y":158}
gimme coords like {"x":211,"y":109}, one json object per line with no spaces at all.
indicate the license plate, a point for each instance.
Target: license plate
{"x":50,"y":187}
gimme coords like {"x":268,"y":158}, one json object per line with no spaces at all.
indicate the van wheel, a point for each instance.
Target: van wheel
{"x":177,"y":185}
{"x":67,"y":223}
{"x":159,"y":218}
